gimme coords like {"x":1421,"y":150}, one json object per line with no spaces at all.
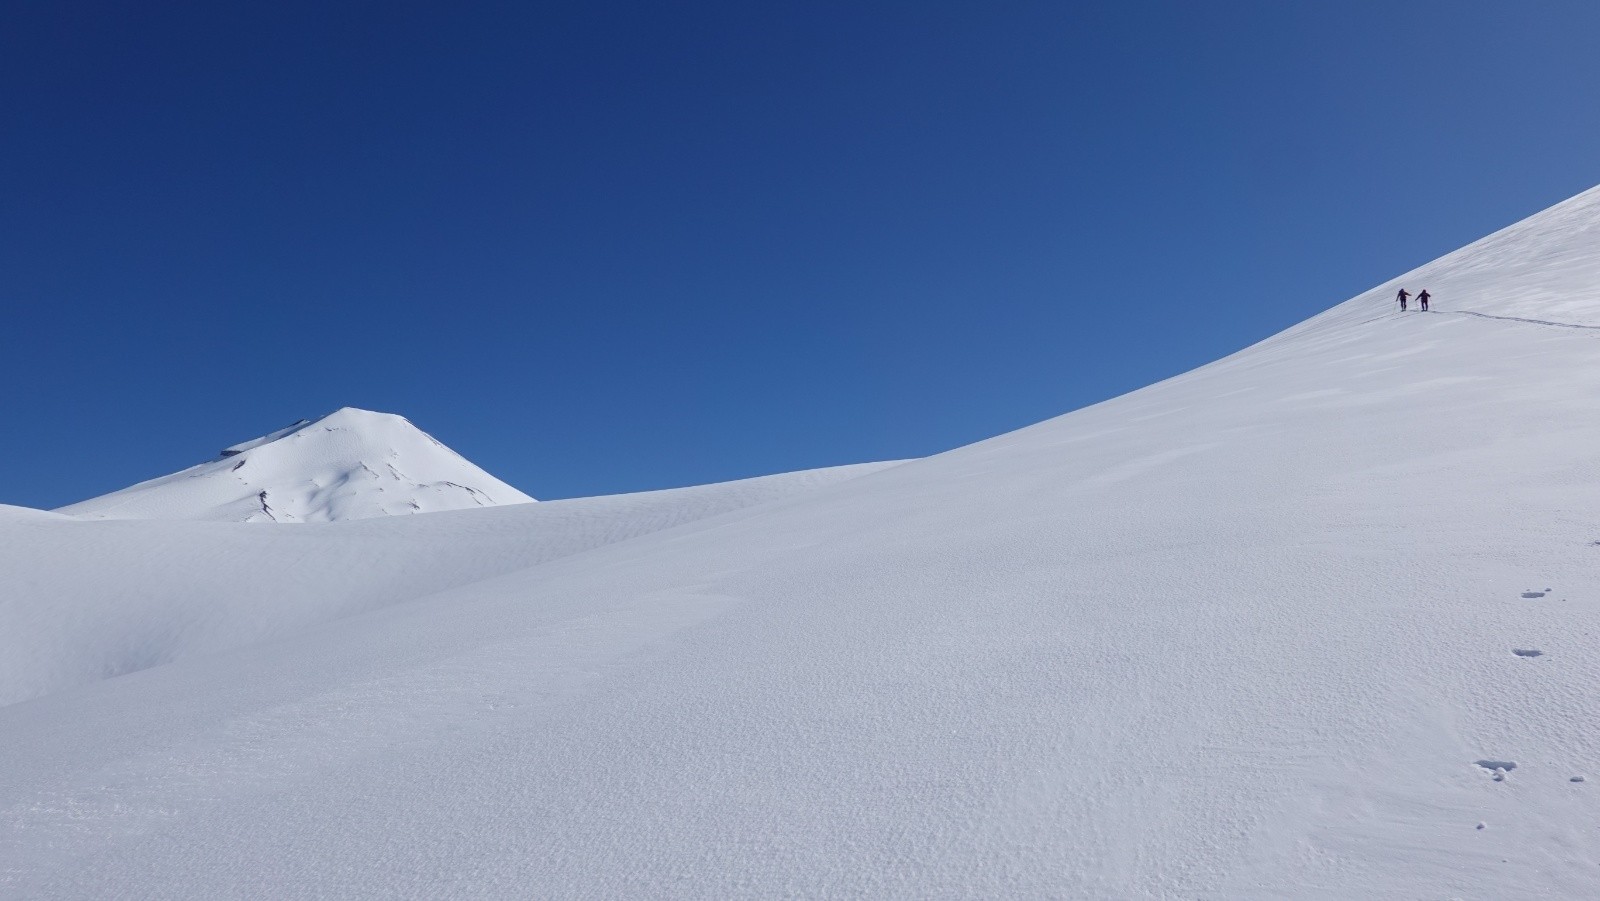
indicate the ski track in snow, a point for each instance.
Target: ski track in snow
{"x":1518,"y":319}
{"x":1313,"y":621}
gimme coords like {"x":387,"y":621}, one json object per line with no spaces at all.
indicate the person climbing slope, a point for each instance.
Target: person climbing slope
{"x":1403,"y":295}
{"x":1423,"y":299}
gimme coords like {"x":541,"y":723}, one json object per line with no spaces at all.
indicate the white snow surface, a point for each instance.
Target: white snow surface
{"x":1248,"y":633}
{"x":81,"y":601}
{"x":350,"y":464}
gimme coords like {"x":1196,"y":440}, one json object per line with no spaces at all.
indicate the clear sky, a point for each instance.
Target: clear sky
{"x":601,"y":247}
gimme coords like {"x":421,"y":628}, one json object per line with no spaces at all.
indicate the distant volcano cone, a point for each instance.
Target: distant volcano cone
{"x":350,"y":464}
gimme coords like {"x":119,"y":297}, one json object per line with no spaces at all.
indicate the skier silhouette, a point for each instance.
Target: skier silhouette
{"x":1403,"y":296}
{"x":1423,"y":299}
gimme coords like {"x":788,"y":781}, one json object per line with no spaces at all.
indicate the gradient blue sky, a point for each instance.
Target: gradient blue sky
{"x":603,"y":247}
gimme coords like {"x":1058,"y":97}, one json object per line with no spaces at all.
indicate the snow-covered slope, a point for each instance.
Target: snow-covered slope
{"x":350,"y":464}
{"x":1265,"y":630}
{"x":81,"y":601}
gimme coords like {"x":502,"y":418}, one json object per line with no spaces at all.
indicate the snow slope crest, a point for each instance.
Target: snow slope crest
{"x":349,"y":464}
{"x":1543,"y":271}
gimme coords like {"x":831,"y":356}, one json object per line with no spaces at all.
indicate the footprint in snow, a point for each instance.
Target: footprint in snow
{"x":1498,"y":767}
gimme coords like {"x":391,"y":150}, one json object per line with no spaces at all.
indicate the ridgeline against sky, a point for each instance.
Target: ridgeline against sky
{"x":610,"y":247}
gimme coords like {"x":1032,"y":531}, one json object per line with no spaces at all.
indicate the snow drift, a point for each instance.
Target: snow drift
{"x":350,"y":464}
{"x":1263,"y":630}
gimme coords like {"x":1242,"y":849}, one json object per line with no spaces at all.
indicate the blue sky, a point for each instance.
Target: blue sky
{"x":604,"y":247}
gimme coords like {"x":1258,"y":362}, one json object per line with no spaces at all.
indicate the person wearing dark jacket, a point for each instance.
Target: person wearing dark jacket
{"x":1403,"y":296}
{"x":1423,"y":299}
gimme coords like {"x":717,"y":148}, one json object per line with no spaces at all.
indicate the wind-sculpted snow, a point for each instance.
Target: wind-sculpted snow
{"x":350,"y":464}
{"x":81,"y":601}
{"x":1254,"y":632}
